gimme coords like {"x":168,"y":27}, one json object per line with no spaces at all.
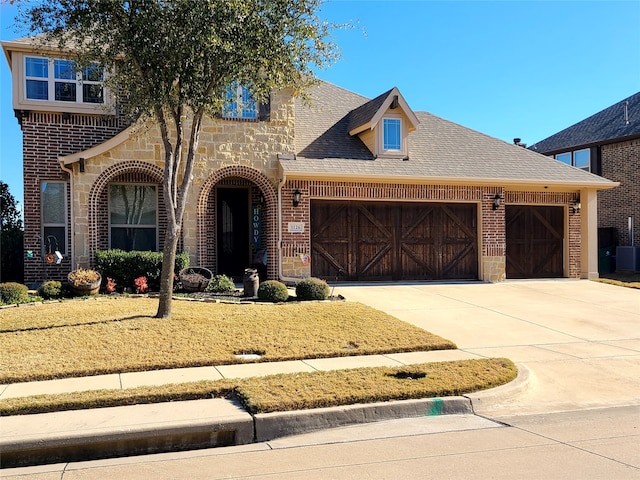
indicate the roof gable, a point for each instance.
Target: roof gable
{"x":617,"y":122}
{"x":367,"y":116}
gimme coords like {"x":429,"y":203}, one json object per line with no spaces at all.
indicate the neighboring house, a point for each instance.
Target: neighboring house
{"x":607,"y":144}
{"x":346,"y":188}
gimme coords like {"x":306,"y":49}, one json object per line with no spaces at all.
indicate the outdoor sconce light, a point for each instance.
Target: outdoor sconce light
{"x":496,"y":202}
{"x":297,"y":196}
{"x":576,"y":205}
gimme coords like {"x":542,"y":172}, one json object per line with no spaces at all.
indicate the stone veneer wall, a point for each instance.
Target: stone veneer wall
{"x":229,"y":149}
{"x":621,"y":163}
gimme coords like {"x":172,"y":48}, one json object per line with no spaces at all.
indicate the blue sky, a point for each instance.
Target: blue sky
{"x":505,"y":68}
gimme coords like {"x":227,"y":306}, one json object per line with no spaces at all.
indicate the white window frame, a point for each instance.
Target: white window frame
{"x":156,"y":225}
{"x":391,"y":152}
{"x":21,"y":101}
{"x":238,"y":98}
{"x":571,"y":157}
{"x":61,"y":242}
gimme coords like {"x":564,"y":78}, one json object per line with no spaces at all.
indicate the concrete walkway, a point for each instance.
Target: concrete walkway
{"x":576,"y":343}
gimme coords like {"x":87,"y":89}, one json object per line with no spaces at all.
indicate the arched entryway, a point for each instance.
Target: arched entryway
{"x":237,"y":222}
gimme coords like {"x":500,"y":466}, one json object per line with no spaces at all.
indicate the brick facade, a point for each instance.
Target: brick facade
{"x":234,"y":153}
{"x":46,"y":136}
{"x":621,"y":163}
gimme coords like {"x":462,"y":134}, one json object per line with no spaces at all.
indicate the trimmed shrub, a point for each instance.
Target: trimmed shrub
{"x":221,"y":284}
{"x":124,"y":267}
{"x":12,"y":292}
{"x":51,"y":289}
{"x":273,"y":291}
{"x":312,"y":289}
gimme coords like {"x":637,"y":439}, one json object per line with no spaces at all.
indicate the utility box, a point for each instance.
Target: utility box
{"x":628,"y":259}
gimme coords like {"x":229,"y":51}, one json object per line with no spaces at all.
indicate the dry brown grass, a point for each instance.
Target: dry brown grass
{"x":105,"y":335}
{"x":297,"y":391}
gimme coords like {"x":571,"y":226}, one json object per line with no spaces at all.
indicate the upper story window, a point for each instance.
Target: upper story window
{"x":578,"y":158}
{"x":59,"y":80}
{"x":239,"y":102}
{"x":392,"y":134}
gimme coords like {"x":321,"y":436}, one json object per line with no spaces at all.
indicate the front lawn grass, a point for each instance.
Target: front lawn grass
{"x":286,"y":392}
{"x":114,"y":335}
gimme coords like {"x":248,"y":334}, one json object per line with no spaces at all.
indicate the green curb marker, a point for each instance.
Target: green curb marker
{"x":436,"y":408}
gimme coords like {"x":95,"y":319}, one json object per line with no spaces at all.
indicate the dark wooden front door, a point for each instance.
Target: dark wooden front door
{"x":535,"y":240}
{"x":233,"y":231}
{"x":393,"y":241}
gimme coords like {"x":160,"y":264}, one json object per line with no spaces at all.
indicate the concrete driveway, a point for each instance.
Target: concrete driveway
{"x":577,"y":342}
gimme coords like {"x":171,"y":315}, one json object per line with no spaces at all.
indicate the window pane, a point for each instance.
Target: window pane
{"x":56,"y":239}
{"x":53,"y":202}
{"x":133,"y":238}
{"x":92,"y":93}
{"x":93,"y":73}
{"x":239,"y":102}
{"x":37,"y":67}
{"x":37,"y":90}
{"x":391,"y":134}
{"x":65,"y":92}
{"x":582,"y":159}
{"x":248,"y":104}
{"x":132,"y":204}
{"x":64,"y":69}
{"x":564,"y":158}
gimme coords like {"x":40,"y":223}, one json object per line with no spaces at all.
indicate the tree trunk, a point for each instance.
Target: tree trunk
{"x":166,"y":277}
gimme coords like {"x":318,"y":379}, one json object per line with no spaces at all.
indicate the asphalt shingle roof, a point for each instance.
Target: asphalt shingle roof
{"x":606,"y":126}
{"x":439,"y":150}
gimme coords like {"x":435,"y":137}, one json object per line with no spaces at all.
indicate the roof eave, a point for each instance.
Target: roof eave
{"x":113,"y":142}
{"x":301,"y":174}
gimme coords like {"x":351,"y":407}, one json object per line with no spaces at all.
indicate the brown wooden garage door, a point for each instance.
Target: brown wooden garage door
{"x":393,"y":241}
{"x":535,"y":241}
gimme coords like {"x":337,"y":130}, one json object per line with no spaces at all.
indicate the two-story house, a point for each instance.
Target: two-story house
{"x":343,"y":188}
{"x":607,"y":144}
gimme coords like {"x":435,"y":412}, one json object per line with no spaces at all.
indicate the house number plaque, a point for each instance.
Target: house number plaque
{"x":296,"y":227}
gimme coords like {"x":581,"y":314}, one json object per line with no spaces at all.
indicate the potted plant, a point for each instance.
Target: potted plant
{"x":195,"y":279}
{"x":84,"y":281}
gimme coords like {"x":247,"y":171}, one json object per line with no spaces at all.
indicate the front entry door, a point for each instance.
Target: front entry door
{"x":233,"y":231}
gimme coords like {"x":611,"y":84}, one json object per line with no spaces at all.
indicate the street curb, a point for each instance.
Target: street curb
{"x":484,"y":399}
{"x":269,"y":426}
{"x":162,"y":435}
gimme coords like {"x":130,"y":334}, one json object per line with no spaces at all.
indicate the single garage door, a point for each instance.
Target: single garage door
{"x":535,"y":241}
{"x":393,"y":241}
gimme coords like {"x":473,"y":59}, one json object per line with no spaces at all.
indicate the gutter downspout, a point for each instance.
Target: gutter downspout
{"x":281,"y":277}
{"x":71,"y":212}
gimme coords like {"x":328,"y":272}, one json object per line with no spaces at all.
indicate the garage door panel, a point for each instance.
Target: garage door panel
{"x":535,"y":241}
{"x":400,"y":241}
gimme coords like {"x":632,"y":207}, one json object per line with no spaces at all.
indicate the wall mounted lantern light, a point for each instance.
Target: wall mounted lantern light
{"x":297,"y":196}
{"x":496,"y":202}
{"x":575,"y":205}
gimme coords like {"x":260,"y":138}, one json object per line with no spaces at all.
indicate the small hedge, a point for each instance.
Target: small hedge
{"x":312,"y":289}
{"x":51,"y":289}
{"x":12,"y":292}
{"x":221,"y":284}
{"x":124,"y":267}
{"x":273,"y":291}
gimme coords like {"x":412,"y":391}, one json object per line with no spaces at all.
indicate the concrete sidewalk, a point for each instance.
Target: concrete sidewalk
{"x":173,"y":426}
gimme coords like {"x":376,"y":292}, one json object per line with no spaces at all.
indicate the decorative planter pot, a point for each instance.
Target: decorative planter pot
{"x":195,"y":279}
{"x":84,"y":289}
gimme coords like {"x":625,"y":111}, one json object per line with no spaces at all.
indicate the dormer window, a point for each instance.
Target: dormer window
{"x":58,"y":80}
{"x":392,"y":134}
